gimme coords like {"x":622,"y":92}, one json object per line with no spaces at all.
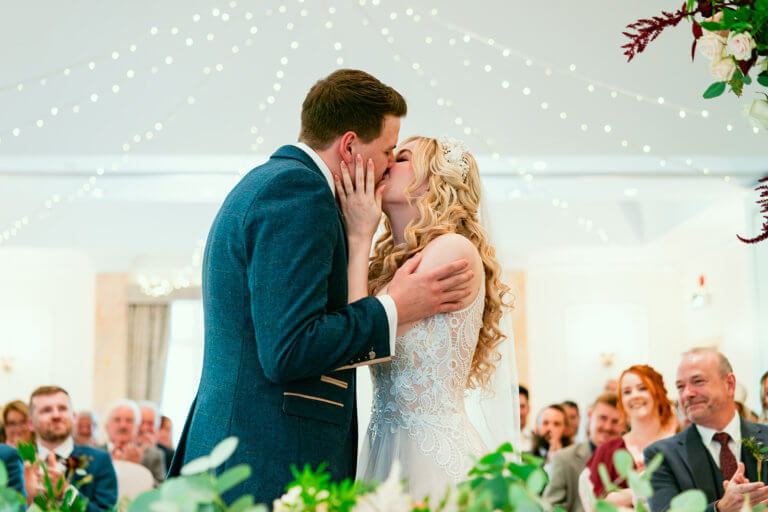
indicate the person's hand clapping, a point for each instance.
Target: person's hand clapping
{"x":737,"y":488}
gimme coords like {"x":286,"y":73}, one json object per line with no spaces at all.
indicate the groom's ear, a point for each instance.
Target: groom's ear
{"x":347,"y":145}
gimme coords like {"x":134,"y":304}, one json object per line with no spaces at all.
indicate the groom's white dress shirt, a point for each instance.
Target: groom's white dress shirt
{"x":386,"y":300}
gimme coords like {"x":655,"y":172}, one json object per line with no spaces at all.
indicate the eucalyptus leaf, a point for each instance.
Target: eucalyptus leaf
{"x":223,"y":451}
{"x":536,"y":481}
{"x":603,"y":472}
{"x":165,"y":506}
{"x":762,"y":78}
{"x":623,"y":462}
{"x":714,"y":90}
{"x":142,"y":502}
{"x":604,"y":506}
{"x":692,"y":500}
{"x":242,"y":504}
{"x":640,"y":485}
{"x":231,"y":478}
{"x":3,"y":475}
{"x":654,"y":464}
{"x":199,"y":465}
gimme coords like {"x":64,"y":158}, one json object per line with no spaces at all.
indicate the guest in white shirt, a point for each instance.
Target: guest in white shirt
{"x":708,"y":455}
{"x":52,"y":417}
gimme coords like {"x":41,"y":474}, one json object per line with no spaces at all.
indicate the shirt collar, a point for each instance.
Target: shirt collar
{"x":64,"y":450}
{"x":320,"y":164}
{"x":733,"y":429}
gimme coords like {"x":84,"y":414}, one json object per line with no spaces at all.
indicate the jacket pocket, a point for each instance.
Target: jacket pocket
{"x":314,"y":407}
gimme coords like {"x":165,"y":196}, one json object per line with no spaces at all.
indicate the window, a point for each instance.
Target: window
{"x":184,"y":363}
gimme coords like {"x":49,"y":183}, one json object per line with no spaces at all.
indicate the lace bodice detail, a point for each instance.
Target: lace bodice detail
{"x":421,"y":390}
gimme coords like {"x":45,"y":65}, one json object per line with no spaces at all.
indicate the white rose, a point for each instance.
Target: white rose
{"x":711,"y":46}
{"x":741,"y":45}
{"x":723,"y":69}
{"x":759,"y":112}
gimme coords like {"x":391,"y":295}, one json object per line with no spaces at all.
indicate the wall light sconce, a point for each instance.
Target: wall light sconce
{"x":701,"y":298}
{"x":6,"y":364}
{"x":607,"y":358}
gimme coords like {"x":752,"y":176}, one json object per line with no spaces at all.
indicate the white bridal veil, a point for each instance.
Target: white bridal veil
{"x":495,"y":412}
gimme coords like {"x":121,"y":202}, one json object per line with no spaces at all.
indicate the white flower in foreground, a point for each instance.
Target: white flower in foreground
{"x":723,"y":69}
{"x":741,"y":45}
{"x":288,"y":500}
{"x":388,"y":497}
{"x":711,"y":46}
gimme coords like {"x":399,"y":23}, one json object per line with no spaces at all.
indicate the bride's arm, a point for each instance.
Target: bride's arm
{"x":361,"y":205}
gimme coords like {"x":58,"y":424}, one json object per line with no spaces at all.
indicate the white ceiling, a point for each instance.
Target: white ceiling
{"x":157,"y":196}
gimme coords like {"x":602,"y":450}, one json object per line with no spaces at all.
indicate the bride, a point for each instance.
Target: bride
{"x":431,"y":201}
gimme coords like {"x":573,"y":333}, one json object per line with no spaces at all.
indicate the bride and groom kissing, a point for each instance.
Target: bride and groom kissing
{"x":294,"y":301}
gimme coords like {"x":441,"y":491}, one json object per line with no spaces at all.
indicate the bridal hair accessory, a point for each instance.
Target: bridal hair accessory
{"x":453,"y":151}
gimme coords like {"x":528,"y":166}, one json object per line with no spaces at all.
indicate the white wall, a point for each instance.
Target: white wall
{"x":636,"y":304}
{"x":46,"y":322}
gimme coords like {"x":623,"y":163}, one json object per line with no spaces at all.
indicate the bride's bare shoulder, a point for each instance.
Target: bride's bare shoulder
{"x":447,"y":248}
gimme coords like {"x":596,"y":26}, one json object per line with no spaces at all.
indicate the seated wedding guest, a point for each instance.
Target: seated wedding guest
{"x":149,"y":427}
{"x":611,"y":386}
{"x":550,"y":435}
{"x":764,"y":398}
{"x":165,"y":432}
{"x":122,"y":430}
{"x":526,"y":433}
{"x":86,"y":425}
{"x":643,"y":404}
{"x":708,"y":455}
{"x":16,"y":423}
{"x":603,"y":423}
{"x":52,"y":418}
{"x":12,"y":461}
{"x":574,"y":418}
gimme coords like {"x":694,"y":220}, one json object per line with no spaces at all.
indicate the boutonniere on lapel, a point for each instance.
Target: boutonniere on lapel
{"x":758,"y":451}
{"x":75,"y":466}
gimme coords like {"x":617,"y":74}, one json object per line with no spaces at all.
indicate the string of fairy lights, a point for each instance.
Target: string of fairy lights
{"x":606,"y":129}
{"x":154,"y":286}
{"x":128,"y":75}
{"x":461,"y":121}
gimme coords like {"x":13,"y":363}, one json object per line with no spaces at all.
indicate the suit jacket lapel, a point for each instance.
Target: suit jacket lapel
{"x":750,"y":464}
{"x":296,"y":153}
{"x":702,"y":467}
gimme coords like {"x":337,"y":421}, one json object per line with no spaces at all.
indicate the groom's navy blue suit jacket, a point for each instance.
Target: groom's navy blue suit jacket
{"x":278,"y":329}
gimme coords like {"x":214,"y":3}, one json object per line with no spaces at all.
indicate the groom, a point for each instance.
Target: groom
{"x":281,"y":342}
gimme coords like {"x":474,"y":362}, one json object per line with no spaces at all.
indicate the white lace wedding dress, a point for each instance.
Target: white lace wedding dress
{"x":418,"y":414}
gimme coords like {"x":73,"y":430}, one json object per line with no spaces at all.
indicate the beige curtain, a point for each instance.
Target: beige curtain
{"x":147,"y":350}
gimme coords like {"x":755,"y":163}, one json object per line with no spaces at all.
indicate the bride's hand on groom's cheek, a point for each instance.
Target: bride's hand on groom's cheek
{"x":360,"y":201}
{"x":423,"y":294}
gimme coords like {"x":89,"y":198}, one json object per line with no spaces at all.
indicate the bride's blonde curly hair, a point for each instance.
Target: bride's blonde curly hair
{"x":450,"y":205}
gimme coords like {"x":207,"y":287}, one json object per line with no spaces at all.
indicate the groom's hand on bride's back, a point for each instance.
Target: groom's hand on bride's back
{"x":423,"y":294}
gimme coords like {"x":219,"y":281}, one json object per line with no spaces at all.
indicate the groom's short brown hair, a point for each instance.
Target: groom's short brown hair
{"x":347,"y":100}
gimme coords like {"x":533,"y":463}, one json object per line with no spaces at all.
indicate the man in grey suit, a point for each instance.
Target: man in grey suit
{"x":708,"y":455}
{"x":603,"y":423}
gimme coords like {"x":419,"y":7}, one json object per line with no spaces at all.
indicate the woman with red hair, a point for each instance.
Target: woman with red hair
{"x":643,"y":403}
